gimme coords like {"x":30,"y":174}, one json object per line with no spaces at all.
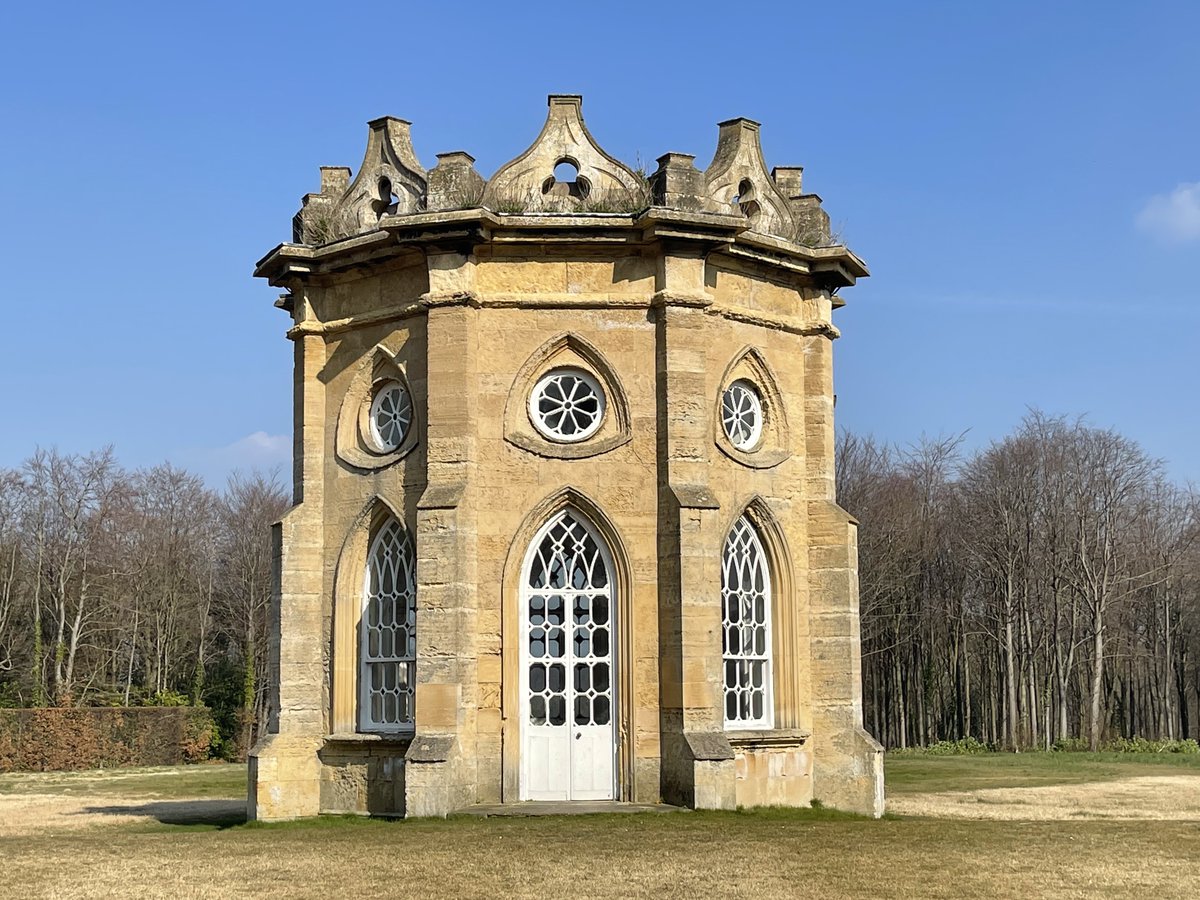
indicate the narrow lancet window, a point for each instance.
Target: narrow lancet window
{"x":746,"y":620}
{"x":388,"y":647}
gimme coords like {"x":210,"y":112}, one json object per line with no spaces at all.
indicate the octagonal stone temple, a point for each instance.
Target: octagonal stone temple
{"x":564,"y":523}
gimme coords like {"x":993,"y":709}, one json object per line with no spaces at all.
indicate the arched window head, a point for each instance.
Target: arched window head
{"x":746,"y":629}
{"x":388,"y":637}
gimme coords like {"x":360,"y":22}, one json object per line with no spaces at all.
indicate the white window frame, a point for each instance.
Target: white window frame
{"x":743,"y":537}
{"x":382,"y":389}
{"x":404,"y":567}
{"x":553,"y":432}
{"x":742,"y":397}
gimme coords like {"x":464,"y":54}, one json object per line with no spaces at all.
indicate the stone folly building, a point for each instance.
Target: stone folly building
{"x":565,"y":525}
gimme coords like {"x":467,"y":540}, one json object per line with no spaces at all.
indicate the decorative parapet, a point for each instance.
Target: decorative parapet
{"x":738,"y":177}
{"x":564,"y":174}
{"x":565,"y":171}
{"x":390,"y":180}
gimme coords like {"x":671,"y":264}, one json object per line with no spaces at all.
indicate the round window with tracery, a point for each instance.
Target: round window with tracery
{"x":742,"y":414}
{"x":567,"y":405}
{"x":391,"y":416}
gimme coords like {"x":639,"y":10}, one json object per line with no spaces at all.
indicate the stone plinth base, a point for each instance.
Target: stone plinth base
{"x":284,"y":778}
{"x":774,"y":768}
{"x":848,"y":772}
{"x":363,"y":774}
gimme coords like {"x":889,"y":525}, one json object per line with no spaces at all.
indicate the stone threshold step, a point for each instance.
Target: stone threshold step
{"x":566,"y":808}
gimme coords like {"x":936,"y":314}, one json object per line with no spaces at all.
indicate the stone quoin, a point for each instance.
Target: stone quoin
{"x":564,"y":523}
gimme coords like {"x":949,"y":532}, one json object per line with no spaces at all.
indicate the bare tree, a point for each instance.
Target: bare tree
{"x":250,"y":506}
{"x":1045,"y":589}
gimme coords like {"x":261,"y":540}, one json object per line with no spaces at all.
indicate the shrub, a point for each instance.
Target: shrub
{"x":62,"y":738}
{"x":1069,"y":745}
{"x":962,"y":747}
{"x":169,"y":698}
{"x":1145,"y":745}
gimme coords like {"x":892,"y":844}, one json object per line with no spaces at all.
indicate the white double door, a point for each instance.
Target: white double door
{"x":568,"y":745}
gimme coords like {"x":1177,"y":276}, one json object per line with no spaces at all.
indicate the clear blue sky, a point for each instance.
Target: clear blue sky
{"x":1023,"y":179}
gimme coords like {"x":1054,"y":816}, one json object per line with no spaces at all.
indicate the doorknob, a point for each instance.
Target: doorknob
{"x":578,"y":735}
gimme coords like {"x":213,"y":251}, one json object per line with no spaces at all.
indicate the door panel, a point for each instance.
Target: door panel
{"x":568,"y":746}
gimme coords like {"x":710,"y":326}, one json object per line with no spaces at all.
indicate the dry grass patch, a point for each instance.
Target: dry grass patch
{"x":1151,"y":797}
{"x":765,"y":854}
{"x":768,"y":853}
{"x":41,"y":802}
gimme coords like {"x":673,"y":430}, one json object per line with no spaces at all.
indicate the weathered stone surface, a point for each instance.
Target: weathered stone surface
{"x":465,"y":292}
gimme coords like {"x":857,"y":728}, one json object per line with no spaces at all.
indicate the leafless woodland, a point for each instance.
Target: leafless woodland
{"x":1045,"y":589}
{"x":134,"y":587}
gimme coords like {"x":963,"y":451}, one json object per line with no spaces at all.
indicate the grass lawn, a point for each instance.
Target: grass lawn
{"x":924,"y":774}
{"x":167,"y":782}
{"x":766,"y":853}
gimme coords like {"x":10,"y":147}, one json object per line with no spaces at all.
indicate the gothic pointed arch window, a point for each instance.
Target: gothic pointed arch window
{"x":746,"y":629}
{"x":387,"y":633}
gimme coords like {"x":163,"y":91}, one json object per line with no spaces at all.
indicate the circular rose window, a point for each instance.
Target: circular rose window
{"x":391,"y":416}
{"x":742,"y":415}
{"x":567,"y":405}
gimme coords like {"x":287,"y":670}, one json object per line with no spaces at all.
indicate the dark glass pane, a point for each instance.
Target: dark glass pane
{"x":582,"y":611}
{"x":558,"y":710}
{"x":537,"y":643}
{"x":600,"y":677}
{"x":583,"y":711}
{"x":582,"y":643}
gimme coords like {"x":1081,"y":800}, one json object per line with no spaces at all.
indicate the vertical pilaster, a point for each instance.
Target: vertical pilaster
{"x":697,"y":766}
{"x":284,"y":778}
{"x":847,"y":762}
{"x":440,"y":772}
{"x":819,"y":432}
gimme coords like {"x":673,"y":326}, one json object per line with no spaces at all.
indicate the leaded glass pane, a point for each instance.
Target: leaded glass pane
{"x":568,"y":577}
{"x":387,"y":647}
{"x":746,"y":607}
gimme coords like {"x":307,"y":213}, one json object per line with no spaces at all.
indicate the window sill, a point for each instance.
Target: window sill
{"x":768,"y":738}
{"x":353,"y":737}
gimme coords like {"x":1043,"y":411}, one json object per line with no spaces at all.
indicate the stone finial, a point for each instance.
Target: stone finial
{"x":565,"y":170}
{"x":334,"y":181}
{"x":789,"y":180}
{"x":454,"y":183}
{"x":737,"y":177}
{"x":812,"y":222}
{"x":316,"y":222}
{"x":677,"y":183}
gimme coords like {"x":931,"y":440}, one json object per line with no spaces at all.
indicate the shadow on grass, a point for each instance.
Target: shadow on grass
{"x":219,"y":814}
